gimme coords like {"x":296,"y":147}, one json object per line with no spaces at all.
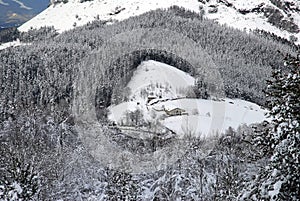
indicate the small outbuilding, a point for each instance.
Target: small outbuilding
{"x":150,"y":98}
{"x":176,"y":112}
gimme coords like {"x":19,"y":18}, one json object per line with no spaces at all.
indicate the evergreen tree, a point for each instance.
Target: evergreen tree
{"x":281,"y":178}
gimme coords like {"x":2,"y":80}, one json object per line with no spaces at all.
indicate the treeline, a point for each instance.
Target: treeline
{"x":9,"y":34}
{"x":32,"y":35}
{"x":113,"y":65}
{"x":41,"y":34}
{"x":123,"y":68}
{"x":244,"y":60}
{"x":284,"y":41}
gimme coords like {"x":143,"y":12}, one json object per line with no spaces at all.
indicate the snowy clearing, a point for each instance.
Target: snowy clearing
{"x":163,"y":104}
{"x":159,"y":79}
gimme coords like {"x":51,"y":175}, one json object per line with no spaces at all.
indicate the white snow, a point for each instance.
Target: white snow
{"x":11,"y":44}
{"x":251,"y":21}
{"x":276,"y":190}
{"x":213,"y":117}
{"x":160,"y":78}
{"x":63,"y":16}
{"x":66,"y":16}
{"x":202,"y":118}
{"x":157,"y":79}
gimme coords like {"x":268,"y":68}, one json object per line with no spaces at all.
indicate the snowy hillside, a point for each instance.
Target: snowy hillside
{"x":159,"y":97}
{"x":279,"y":17}
{"x":159,"y":79}
{"x":153,"y":107}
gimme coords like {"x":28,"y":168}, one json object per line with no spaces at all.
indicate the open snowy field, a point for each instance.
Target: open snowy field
{"x":196,"y":117}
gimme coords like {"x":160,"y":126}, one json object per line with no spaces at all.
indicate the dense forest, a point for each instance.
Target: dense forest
{"x":54,"y":85}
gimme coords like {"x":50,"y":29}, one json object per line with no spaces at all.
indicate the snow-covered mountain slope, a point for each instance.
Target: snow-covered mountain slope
{"x":158,"y":102}
{"x":65,"y":16}
{"x":281,"y":17}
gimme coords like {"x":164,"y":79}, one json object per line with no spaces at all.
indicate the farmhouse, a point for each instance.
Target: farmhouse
{"x":175,"y":112}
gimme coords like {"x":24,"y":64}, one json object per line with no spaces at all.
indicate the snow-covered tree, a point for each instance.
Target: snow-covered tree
{"x":280,"y":180}
{"x":120,"y":186}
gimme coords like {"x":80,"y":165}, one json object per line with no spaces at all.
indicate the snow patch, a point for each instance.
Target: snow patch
{"x":12,"y":44}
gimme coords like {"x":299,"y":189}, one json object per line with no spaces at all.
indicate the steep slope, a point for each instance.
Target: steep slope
{"x":276,"y":16}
